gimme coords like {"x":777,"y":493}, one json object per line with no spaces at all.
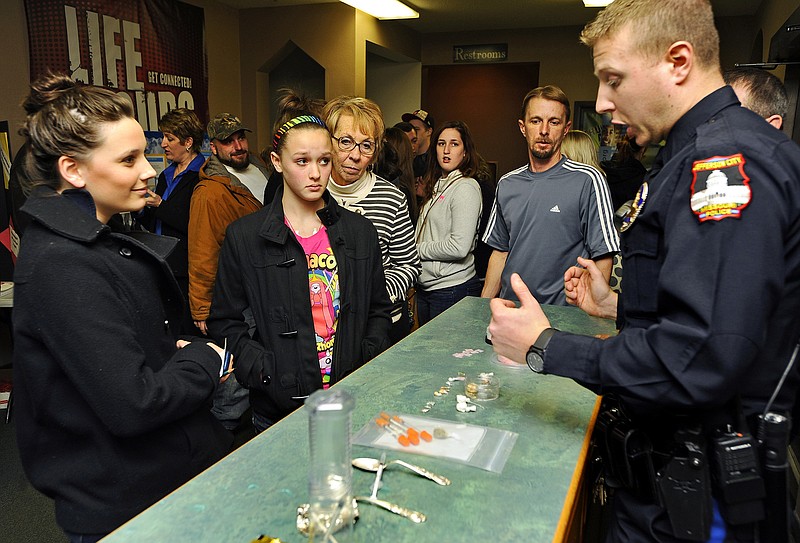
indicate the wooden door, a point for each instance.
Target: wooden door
{"x":488,"y":97}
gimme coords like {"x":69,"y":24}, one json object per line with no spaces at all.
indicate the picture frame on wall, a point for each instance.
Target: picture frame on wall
{"x":9,"y":242}
{"x":604,"y":133}
{"x":599,"y":126}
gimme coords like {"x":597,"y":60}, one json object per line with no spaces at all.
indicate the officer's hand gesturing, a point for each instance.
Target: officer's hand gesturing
{"x":586,"y":287}
{"x":514,"y":329}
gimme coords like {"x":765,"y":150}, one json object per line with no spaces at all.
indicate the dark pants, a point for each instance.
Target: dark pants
{"x":261,"y":423}
{"x":636,"y":521}
{"x":84,"y":538}
{"x":431,"y":303}
{"x":402,"y":327}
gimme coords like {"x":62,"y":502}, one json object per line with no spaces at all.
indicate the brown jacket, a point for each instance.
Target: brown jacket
{"x":218,"y":199}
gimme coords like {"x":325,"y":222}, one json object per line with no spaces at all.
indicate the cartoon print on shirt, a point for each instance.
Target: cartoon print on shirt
{"x":321,"y":308}
{"x":323,"y":289}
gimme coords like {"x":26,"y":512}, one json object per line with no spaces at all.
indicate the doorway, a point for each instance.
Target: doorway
{"x":488,"y":97}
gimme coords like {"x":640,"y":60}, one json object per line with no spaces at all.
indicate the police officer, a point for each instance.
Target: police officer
{"x":760,"y":91}
{"x":711,"y":250}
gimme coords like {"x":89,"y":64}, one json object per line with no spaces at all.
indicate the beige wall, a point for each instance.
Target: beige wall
{"x":222,"y":52}
{"x":394,"y":75}
{"x":396,"y":86}
{"x":15,"y":67}
{"x":389,"y":36}
{"x":265,"y":32}
{"x":342,"y":52}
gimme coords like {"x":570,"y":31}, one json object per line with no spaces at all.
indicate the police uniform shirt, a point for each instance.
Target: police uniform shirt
{"x":711,"y":288}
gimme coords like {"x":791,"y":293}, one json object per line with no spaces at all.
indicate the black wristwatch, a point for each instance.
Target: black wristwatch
{"x":535,"y":356}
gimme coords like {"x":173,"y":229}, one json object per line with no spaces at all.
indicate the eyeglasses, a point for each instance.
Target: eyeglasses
{"x":346,"y":143}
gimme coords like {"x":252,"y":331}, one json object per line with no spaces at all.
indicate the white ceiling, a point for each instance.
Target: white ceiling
{"x":467,"y":15}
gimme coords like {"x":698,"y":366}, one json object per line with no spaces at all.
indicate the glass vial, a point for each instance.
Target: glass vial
{"x":330,"y":472}
{"x":482,"y":386}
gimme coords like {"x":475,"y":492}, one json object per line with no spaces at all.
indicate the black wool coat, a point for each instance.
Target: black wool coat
{"x":111,"y":416}
{"x":263,"y":267}
{"x":174,"y":216}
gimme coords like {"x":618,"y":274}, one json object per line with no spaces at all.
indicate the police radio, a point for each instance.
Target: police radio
{"x":738,"y":477}
{"x":750,"y":474}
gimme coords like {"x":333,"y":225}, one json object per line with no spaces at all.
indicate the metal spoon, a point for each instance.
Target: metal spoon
{"x":410,"y":514}
{"x":373,"y":465}
{"x":377,"y":484}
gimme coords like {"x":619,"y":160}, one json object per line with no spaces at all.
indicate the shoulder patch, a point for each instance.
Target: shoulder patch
{"x":720,"y":188}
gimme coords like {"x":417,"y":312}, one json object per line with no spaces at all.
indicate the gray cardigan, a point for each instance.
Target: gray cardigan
{"x":447,"y":231}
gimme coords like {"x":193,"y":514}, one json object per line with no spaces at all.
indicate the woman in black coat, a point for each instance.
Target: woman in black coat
{"x":112,"y":411}
{"x":167,"y":209}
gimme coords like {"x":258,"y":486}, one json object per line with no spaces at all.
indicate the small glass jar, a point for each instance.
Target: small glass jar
{"x":330,"y":472}
{"x":482,"y":386}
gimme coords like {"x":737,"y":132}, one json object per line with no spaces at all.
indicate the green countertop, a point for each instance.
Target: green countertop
{"x":256,"y":489}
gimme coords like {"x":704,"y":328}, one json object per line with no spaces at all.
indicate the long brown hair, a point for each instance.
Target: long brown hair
{"x":469,"y":165}
{"x":395,"y":161}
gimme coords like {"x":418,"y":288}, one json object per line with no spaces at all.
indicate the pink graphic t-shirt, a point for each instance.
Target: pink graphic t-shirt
{"x":323,"y":287}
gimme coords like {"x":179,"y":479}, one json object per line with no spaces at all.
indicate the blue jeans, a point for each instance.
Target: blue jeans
{"x":718,"y":531}
{"x":431,"y":303}
{"x":231,"y":400}
{"x":261,"y":423}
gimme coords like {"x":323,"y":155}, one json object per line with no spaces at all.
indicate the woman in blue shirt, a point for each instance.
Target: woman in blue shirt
{"x":167,"y":210}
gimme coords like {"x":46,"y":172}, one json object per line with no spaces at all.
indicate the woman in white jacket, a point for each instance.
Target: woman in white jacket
{"x":447,"y":228}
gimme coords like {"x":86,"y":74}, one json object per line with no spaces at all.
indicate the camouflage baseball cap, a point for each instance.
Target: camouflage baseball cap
{"x":224,"y":125}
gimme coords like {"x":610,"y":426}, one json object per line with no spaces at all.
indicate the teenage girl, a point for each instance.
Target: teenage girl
{"x":447,"y":228}
{"x":300,"y":294}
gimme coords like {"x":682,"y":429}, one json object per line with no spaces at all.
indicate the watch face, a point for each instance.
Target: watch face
{"x":535,"y":361}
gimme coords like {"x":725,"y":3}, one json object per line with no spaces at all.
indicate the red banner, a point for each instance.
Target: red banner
{"x":153,"y":50}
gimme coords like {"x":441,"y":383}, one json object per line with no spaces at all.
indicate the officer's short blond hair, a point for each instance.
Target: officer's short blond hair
{"x":657,"y":24}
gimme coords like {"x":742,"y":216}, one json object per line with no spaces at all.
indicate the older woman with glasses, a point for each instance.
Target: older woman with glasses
{"x":356,"y":125}
{"x":167,"y":208}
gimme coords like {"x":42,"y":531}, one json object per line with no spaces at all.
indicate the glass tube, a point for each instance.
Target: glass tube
{"x":330,"y":472}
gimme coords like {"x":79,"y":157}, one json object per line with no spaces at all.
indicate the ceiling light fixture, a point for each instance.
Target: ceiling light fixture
{"x":596,"y":3}
{"x":384,"y":9}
